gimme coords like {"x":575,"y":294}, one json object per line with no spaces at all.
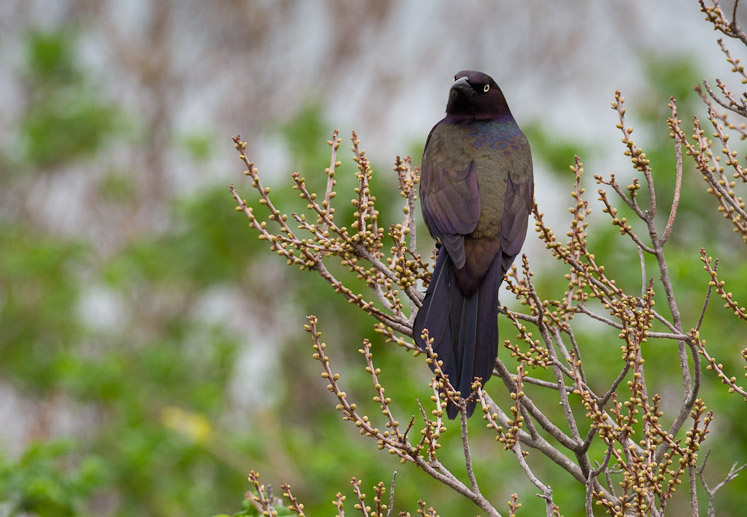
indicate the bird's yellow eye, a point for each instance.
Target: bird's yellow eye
{"x":486,"y":88}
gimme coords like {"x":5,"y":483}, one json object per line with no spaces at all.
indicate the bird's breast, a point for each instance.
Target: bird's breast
{"x":498,"y":135}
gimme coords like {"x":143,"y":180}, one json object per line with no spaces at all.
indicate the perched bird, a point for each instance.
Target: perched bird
{"x":476,"y":192}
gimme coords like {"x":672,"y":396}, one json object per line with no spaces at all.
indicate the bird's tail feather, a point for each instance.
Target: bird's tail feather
{"x":436,"y":313}
{"x":486,"y":344}
{"x":466,"y":342}
{"x":464,"y":329}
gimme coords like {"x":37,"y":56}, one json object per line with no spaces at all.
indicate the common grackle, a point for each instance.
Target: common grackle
{"x":476,"y":191}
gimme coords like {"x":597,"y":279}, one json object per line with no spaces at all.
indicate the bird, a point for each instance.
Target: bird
{"x":476,"y":192}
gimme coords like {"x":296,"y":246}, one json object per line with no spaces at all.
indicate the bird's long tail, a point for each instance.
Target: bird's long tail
{"x":436,"y":314}
{"x":464,"y":328}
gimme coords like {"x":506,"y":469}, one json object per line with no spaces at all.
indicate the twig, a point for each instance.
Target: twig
{"x":733,"y":473}
{"x":593,"y":474}
{"x":708,"y":293}
{"x":466,"y":451}
{"x":391,"y":495}
{"x":678,"y":180}
{"x":545,"y":489}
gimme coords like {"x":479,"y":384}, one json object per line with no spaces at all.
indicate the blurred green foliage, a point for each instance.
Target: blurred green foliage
{"x":37,"y":313}
{"x":48,"y":479}
{"x":66,"y":118}
{"x":161,"y":429}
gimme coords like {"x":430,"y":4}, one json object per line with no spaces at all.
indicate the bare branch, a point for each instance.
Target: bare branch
{"x":466,"y":451}
{"x":678,"y":181}
{"x":730,"y":476}
{"x":391,"y":495}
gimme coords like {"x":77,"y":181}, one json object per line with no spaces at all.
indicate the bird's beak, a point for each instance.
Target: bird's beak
{"x":462,"y":87}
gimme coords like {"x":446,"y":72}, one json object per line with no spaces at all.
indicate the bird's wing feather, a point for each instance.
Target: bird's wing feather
{"x":450,"y":200}
{"x":518,"y":203}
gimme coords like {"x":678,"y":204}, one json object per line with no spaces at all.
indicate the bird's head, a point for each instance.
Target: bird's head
{"x":475,"y":95}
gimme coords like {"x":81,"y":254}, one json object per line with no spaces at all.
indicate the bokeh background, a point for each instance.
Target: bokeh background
{"x":151,"y":349}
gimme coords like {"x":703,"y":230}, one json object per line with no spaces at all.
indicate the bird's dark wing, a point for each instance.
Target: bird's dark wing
{"x":450,"y":198}
{"x":518,"y":203}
